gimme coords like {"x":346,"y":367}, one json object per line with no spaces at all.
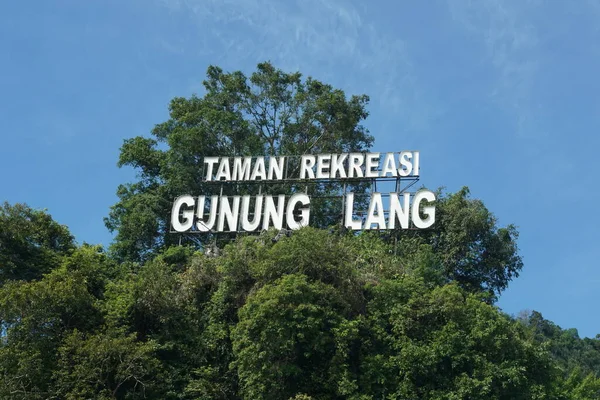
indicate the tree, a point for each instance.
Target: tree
{"x":581,"y":387}
{"x":105,"y":366}
{"x":444,"y":343}
{"x":284,"y":342}
{"x":318,"y":314}
{"x":473,"y":250}
{"x":275,"y":113}
{"x":35,"y":317}
{"x":572,"y":353}
{"x":269,"y":113}
{"x":31,"y":243}
{"x":311,"y":315}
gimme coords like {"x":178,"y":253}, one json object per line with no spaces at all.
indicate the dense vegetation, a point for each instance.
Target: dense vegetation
{"x":318,"y":314}
{"x":314,"y":315}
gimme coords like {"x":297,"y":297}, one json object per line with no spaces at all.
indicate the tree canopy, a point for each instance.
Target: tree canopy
{"x":318,"y":314}
{"x":314,"y":315}
{"x":272,"y":112}
{"x":268,"y":113}
{"x":31,"y":242}
{"x":474,"y":251}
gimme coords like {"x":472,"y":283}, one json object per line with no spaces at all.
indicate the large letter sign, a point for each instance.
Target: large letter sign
{"x":249,"y":213}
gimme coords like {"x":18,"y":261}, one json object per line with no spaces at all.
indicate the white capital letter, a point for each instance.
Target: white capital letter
{"x":323,"y":165}
{"x":241,"y":168}
{"x":274,"y":212}
{"x":306,"y":167}
{"x":188,"y":215}
{"x":208,"y":225}
{"x":248,"y":225}
{"x":337,"y":165}
{"x":405,"y":158}
{"x":259,"y":169}
{"x":210,"y":161}
{"x":229,"y":213}
{"x":372,"y":163}
{"x":401,"y":211}
{"x":356,"y":162}
{"x":427,"y":210}
{"x":224,"y":171}
{"x":276,"y":168}
{"x":389,"y":165}
{"x":304,"y":211}
{"x":350,"y":223}
{"x":375,"y":215}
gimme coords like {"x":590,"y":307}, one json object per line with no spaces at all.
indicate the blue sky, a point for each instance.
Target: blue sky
{"x":500,"y":96}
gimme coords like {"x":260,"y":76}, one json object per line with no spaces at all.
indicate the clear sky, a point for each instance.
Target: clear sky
{"x":501,"y":96}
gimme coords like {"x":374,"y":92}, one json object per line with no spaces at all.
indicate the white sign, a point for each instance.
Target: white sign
{"x":251,"y":213}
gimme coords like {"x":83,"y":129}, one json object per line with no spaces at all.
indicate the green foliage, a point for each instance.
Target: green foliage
{"x":35,"y":317}
{"x":31,"y":243}
{"x":577,"y":358}
{"x":581,"y":387}
{"x":320,"y":314}
{"x":445,"y":344}
{"x":474,"y":251}
{"x":269,"y":113}
{"x":105,"y":366}
{"x":284,"y":342}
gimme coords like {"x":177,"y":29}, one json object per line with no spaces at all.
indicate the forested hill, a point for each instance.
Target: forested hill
{"x":314,"y":315}
{"x":317,"y":314}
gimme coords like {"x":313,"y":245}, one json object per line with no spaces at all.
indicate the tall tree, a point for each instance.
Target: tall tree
{"x":269,"y":113}
{"x":473,"y":250}
{"x":31,"y":242}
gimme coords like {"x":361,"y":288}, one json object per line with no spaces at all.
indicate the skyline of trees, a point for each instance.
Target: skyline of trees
{"x":321,"y":313}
